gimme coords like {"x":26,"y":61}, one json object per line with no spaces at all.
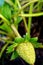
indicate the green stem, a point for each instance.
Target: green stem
{"x":4,"y":47}
{"x":5,"y":38}
{"x":1,"y":16}
{"x":36,"y":6}
{"x":27,"y":4}
{"x":30,"y":19}
{"x":11,"y":25}
{"x":4,"y":33}
{"x":24,"y":20}
{"x":32,"y":15}
{"x":23,"y":2}
{"x":9,"y":31}
{"x":8,"y":41}
{"x":39,"y":7}
{"x":15,"y":30}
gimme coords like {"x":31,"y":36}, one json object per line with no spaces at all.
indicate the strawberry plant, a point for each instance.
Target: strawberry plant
{"x":12,"y":12}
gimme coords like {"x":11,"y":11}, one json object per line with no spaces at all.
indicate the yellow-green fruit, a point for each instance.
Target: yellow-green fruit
{"x":26,"y":52}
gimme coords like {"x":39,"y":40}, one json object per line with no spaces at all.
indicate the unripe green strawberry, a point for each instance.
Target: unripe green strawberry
{"x":26,"y":52}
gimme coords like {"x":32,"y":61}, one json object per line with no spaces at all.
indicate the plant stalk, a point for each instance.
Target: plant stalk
{"x":24,"y":20}
{"x":27,"y":4}
{"x":4,"y":47}
{"x":15,"y":30}
{"x":32,"y":15}
{"x":11,"y":25}
{"x":39,"y":7}
{"x":30,"y":19}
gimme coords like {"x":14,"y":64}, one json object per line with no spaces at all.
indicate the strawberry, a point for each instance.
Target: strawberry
{"x":26,"y":52}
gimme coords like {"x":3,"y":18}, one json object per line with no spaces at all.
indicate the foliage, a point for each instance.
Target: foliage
{"x":6,"y":11}
{"x":12,"y":12}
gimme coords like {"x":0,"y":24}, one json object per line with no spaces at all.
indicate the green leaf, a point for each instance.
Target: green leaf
{"x":1,"y":2}
{"x":6,"y":28}
{"x":14,"y":55}
{"x":19,"y":19}
{"x":37,"y":45}
{"x":11,"y":48}
{"x":6,"y":11}
{"x":19,"y":40}
{"x":26,"y":37}
{"x":34,"y":39}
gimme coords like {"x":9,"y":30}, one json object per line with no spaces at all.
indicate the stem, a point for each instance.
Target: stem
{"x":24,"y":20}
{"x":30,"y":19}
{"x":4,"y":47}
{"x":8,"y":35}
{"x":15,"y":30}
{"x":36,"y":6}
{"x":24,"y":6}
{"x":23,"y":2}
{"x":5,"y":38}
{"x":11,"y":25}
{"x":39,"y":7}
{"x":2,"y":32}
{"x":32,"y":15}
{"x":7,"y":26}
{"x":7,"y":22}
